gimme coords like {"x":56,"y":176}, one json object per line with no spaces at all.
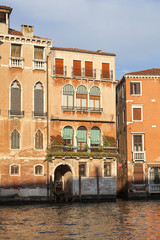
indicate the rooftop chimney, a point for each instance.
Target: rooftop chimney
{"x":27,"y":30}
{"x":99,"y":50}
{"x":4,"y":18}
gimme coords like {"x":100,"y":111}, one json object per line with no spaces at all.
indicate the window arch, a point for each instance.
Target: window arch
{"x":38,"y":170}
{"x":67,"y":134}
{"x":81,"y":137}
{"x":14,"y":169}
{"x":15,"y":107}
{"x":68,"y":96}
{"x":81,"y":98}
{"x":38,"y":99}
{"x":94,"y":98}
{"x":15,"y":139}
{"x":95,"y":137}
{"x":39,"y":140}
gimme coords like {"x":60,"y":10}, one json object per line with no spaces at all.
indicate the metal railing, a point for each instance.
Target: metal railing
{"x":138,"y":156}
{"x":39,"y":114}
{"x":107,"y":74}
{"x":39,"y":64}
{"x":16,"y":113}
{"x":60,"y":70}
{"x":16,"y":62}
{"x":154,"y":188}
{"x":82,"y":109}
{"x":84,"y":72}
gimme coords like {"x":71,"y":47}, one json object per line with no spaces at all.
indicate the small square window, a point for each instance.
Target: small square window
{"x":82,"y":169}
{"x":135,"y":88}
{"x":14,"y":170}
{"x":38,"y":170}
{"x":107,"y":169}
{"x":137,"y":113}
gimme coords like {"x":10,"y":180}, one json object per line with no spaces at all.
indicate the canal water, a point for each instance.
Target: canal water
{"x":110,"y":220}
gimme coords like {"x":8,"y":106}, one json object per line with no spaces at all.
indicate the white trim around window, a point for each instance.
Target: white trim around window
{"x":140,"y":88}
{"x":42,"y":174}
{"x":137,"y":106}
{"x":19,"y":170}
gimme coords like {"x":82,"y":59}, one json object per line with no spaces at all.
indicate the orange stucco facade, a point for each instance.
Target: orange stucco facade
{"x":138,"y":99}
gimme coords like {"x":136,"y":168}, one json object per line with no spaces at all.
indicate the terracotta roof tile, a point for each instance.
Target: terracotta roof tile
{"x":18,"y":33}
{"x":153,"y":72}
{"x":83,"y":51}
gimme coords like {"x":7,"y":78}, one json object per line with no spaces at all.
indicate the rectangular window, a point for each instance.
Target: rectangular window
{"x":16,"y":50}
{"x":59,"y":66}
{"x":38,"y":52}
{"x":76,"y":68}
{"x":105,"y":70}
{"x":88,"y":69}
{"x":138,"y":173}
{"x":137,"y":143}
{"x":135,"y":88}
{"x":155,"y":175}
{"x":137,"y":113}
{"x":82,"y":169}
{"x":107,"y":169}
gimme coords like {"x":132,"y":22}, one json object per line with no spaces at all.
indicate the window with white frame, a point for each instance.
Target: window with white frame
{"x":135,"y":88}
{"x":81,"y":138}
{"x":137,"y":113}
{"x":155,"y":175}
{"x":14,"y":170}
{"x":138,"y":143}
{"x":15,"y":139}
{"x":81,"y":98}
{"x":95,"y":138}
{"x":94,"y":98}
{"x":15,"y":105}
{"x":38,"y":170}
{"x":68,"y":96}
{"x":16,"y":60}
{"x":38,"y":100}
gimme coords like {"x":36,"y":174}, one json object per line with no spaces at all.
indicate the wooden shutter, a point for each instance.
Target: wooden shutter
{"x":59,"y":66}
{"x":38,"y":102}
{"x":138,"y":173}
{"x":39,"y":140}
{"x":15,"y":101}
{"x":105,"y":70}
{"x":137,"y":88}
{"x":136,"y":113}
{"x":38,"y":52}
{"x":89,"y":69}
{"x":16,"y":50}
{"x":131,"y":88}
{"x":76,"y":68}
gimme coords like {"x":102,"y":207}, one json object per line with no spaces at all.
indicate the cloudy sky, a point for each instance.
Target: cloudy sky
{"x":128,"y":28}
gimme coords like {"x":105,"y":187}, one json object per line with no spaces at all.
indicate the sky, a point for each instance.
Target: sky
{"x":128,"y":28}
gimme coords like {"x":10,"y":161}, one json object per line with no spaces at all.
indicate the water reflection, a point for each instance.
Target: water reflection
{"x":112,"y":220}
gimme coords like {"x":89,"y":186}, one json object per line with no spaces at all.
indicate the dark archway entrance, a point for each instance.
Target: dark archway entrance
{"x":63,"y":181}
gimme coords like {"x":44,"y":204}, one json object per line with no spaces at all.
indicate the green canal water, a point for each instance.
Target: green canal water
{"x":110,"y":220}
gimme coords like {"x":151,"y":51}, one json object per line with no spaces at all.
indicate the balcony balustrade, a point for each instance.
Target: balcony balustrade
{"x":60,"y":70}
{"x":39,"y":64}
{"x":16,"y":62}
{"x":154,"y":188}
{"x":107,"y":75}
{"x":39,"y":114}
{"x":138,"y":156}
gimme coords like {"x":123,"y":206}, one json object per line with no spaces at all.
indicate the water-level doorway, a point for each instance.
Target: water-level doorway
{"x":63,"y":181}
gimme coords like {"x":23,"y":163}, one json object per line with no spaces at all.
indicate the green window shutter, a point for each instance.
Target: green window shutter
{"x":81,"y":135}
{"x":67,"y":133}
{"x":95,"y":91}
{"x":68,"y":90}
{"x":82,"y":90}
{"x":95,"y":136}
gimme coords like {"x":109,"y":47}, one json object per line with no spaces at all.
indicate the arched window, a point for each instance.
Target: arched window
{"x":15,"y":139}
{"x":95,"y":138}
{"x":15,"y":99}
{"x":94,"y":99}
{"x":81,"y":137}
{"x":14,"y":169}
{"x":38,"y":100}
{"x":81,"y":98}
{"x":39,"y":140}
{"x":67,"y":135}
{"x":68,"y":97}
{"x":38,"y":170}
